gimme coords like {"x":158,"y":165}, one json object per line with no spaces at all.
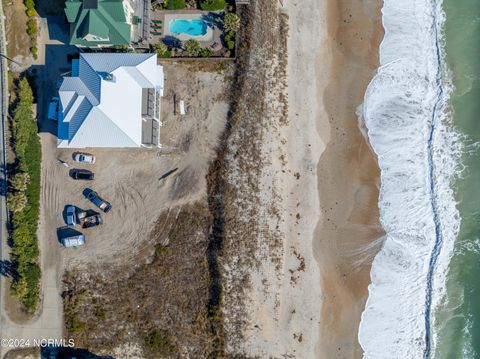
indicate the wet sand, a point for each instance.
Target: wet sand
{"x":348,"y":234}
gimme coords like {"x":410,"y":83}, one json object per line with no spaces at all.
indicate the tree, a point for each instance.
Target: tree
{"x":23,"y":124}
{"x":193,"y":48}
{"x":213,"y":5}
{"x":175,"y":4}
{"x":16,"y":202}
{"x":206,"y":52}
{"x":231,"y":22}
{"x":20,"y":181}
{"x":162,"y":50}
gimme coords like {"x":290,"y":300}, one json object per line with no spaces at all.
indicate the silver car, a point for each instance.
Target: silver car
{"x":71,"y":216}
{"x":74,"y":241}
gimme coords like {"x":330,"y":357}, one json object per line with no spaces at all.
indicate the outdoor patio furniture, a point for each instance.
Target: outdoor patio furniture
{"x":156,"y":26}
{"x":157,"y":21}
{"x":156,"y":33}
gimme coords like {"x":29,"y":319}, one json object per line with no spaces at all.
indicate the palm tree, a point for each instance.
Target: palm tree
{"x":231,"y":22}
{"x":20,"y":181}
{"x":161,"y":50}
{"x":16,"y":202}
{"x":193,"y":48}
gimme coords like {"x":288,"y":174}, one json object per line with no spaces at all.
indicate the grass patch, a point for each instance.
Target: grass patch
{"x":24,"y":220}
{"x":174,"y":4}
{"x":213,"y":5}
{"x":162,"y":294}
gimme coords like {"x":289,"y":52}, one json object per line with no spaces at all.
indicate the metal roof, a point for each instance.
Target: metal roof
{"x":97,"y":22}
{"x":102,"y":106}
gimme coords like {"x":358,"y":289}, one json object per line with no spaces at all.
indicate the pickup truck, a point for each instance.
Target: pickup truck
{"x":98,"y":201}
{"x":87,"y":221}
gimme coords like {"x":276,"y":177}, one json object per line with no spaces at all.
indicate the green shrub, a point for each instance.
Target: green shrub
{"x":32,"y":27}
{"x":34,"y":51}
{"x":159,"y":343}
{"x":230,"y":40}
{"x":212,"y":5}
{"x":25,"y":250}
{"x":175,"y":4}
{"x":206,"y":52}
{"x":29,"y":4}
{"x":31,"y":12}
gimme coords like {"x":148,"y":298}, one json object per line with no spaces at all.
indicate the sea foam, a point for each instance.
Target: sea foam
{"x":405,"y":111}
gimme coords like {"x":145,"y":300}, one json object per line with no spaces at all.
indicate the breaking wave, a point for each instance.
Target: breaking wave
{"x":409,"y":127}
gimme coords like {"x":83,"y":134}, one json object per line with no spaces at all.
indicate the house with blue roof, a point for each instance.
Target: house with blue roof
{"x":111,"y":100}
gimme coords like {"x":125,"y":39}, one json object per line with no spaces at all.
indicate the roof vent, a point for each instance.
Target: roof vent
{"x":109,"y":77}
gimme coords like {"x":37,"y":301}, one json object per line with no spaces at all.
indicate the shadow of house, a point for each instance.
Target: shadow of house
{"x":59,"y":352}
{"x":47,"y":77}
{"x":58,"y":29}
{"x":50,"y":8}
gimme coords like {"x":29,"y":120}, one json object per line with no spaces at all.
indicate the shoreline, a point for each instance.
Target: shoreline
{"x":348,"y":233}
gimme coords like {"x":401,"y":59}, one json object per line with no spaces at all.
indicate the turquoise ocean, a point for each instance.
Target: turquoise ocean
{"x":457,"y":321}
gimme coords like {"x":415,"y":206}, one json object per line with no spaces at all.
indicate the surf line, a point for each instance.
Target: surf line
{"x":435,"y":208}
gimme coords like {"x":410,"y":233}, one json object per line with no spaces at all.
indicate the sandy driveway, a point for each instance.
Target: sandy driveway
{"x":129,"y":180}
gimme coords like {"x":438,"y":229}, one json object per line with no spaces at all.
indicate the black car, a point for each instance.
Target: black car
{"x":80,"y":174}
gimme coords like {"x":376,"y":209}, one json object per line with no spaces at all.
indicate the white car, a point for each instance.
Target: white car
{"x":74,"y":241}
{"x":53,"y":109}
{"x":71,"y":216}
{"x":84,"y":158}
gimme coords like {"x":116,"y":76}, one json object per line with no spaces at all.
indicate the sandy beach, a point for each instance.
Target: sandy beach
{"x":296,"y":281}
{"x":348,"y":234}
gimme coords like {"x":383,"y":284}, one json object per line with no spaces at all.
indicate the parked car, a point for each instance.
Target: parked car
{"x":53,"y":108}
{"x":84,"y":158}
{"x":87,"y":221}
{"x":74,"y":241}
{"x":71,"y":216}
{"x":81,"y":174}
{"x":98,"y":201}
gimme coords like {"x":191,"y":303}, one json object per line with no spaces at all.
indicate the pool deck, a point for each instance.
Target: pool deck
{"x":211,"y":39}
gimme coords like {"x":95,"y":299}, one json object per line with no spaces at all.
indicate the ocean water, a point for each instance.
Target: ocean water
{"x":407,"y":111}
{"x":458,"y":318}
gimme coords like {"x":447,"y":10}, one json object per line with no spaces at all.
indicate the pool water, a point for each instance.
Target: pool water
{"x":195,"y":27}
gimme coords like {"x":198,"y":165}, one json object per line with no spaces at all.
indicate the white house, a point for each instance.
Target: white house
{"x":111,"y":100}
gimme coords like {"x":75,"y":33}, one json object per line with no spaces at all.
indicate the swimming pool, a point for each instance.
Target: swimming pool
{"x":194,"y":27}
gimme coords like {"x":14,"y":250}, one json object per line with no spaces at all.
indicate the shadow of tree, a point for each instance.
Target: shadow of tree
{"x":214,"y":20}
{"x":7,"y":269}
{"x":172,"y":41}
